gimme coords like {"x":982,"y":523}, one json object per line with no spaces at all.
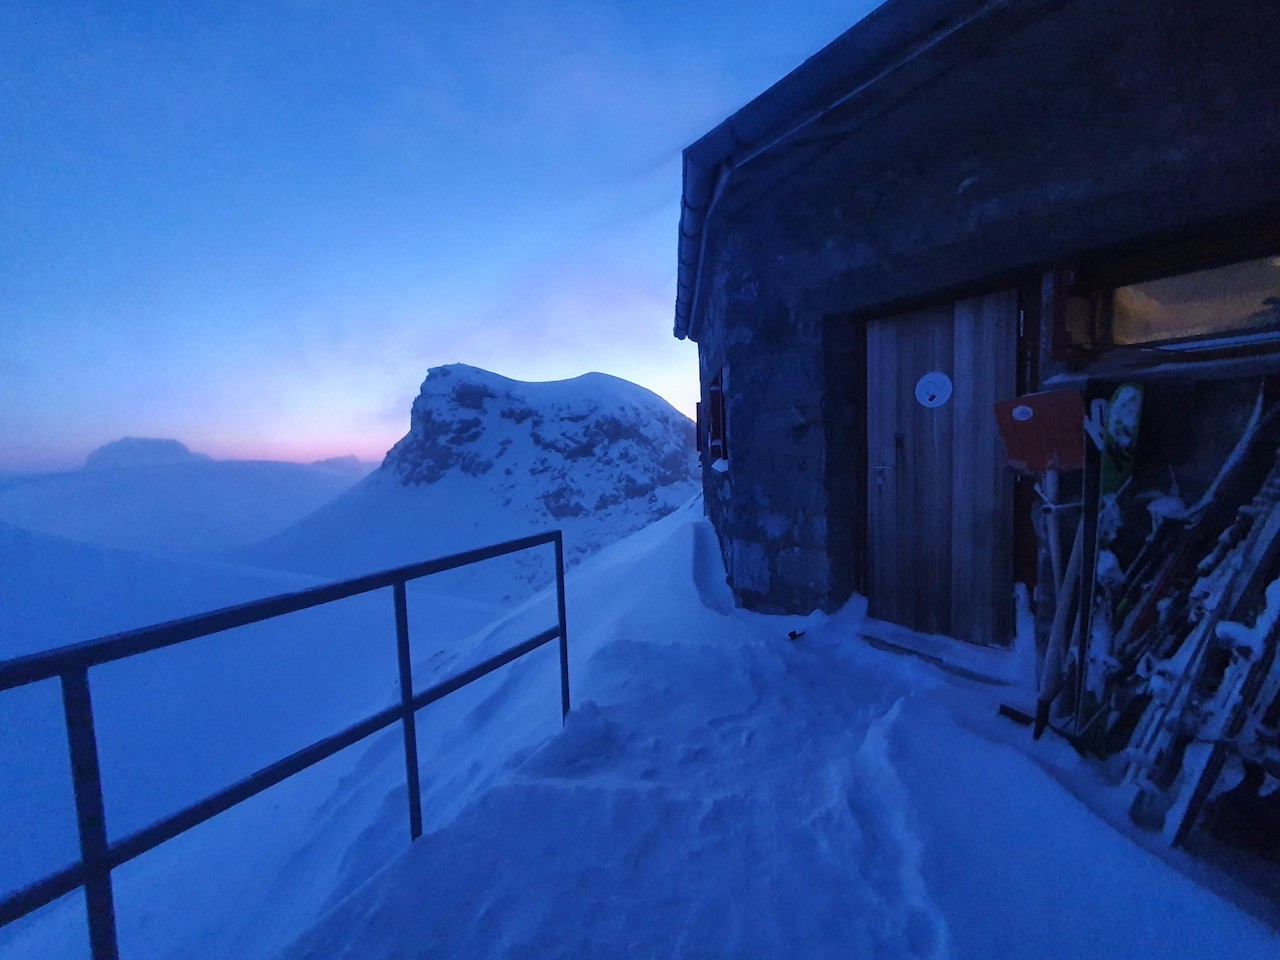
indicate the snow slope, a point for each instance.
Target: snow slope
{"x":172,"y":725}
{"x":55,"y":591}
{"x":177,"y":724}
{"x":189,"y":507}
{"x":721,"y":791}
{"x":488,"y":459}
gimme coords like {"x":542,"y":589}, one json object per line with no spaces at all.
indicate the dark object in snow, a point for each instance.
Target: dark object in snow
{"x":1016,"y":715}
{"x":1248,"y":690}
{"x":1051,"y":677}
{"x":1154,"y":596}
{"x":1042,"y":435}
{"x":1200,"y":684}
{"x":1244,"y":818}
{"x":1173,"y":653}
{"x":795,"y":635}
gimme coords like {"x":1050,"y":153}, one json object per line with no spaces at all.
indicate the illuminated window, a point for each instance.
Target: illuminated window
{"x":1241,"y":298}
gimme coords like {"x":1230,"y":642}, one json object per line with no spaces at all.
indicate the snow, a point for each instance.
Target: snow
{"x":1124,"y":414}
{"x":488,"y":459}
{"x":189,"y":507}
{"x":176,"y":724}
{"x":719,"y":790}
{"x":1166,"y":507}
{"x":1247,"y":642}
{"x":723,"y":791}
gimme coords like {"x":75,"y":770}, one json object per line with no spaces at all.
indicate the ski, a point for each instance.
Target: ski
{"x":1252,"y":655}
{"x":1117,"y":452}
{"x":1229,"y":577}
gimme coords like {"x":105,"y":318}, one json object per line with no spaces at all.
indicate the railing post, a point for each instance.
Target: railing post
{"x":407,"y":720}
{"x":86,"y":779}
{"x":564,"y":637}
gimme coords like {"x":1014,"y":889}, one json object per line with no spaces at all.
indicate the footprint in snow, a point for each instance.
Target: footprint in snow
{"x":906,"y":924}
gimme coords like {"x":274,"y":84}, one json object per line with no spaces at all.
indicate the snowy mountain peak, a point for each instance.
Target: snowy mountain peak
{"x":594,"y":440}
{"x":488,"y":459}
{"x":140,"y":452}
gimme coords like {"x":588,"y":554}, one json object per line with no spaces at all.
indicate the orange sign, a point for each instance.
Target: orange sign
{"x":1043,"y":431}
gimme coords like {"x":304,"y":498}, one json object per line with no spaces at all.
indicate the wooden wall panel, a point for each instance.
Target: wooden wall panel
{"x":882,"y":508}
{"x":982,"y":489}
{"x":909,"y":447}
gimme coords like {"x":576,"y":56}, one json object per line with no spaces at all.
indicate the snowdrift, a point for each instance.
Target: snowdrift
{"x":172,"y":725}
{"x":723,"y":791}
{"x":719,"y":791}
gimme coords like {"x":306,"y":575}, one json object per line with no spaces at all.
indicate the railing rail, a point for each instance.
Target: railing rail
{"x":99,"y":856}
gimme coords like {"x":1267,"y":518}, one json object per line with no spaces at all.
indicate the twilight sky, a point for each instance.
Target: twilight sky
{"x":253,"y":227}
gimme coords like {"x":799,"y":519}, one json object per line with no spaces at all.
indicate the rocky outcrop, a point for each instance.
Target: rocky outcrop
{"x":565,"y":449}
{"x":489,"y":459}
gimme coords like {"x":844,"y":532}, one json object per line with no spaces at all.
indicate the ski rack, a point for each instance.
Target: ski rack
{"x":1177,"y":739}
{"x":1244,"y":552}
{"x":99,"y":856}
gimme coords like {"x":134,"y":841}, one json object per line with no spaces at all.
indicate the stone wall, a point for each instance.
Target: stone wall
{"x":1064,"y":131}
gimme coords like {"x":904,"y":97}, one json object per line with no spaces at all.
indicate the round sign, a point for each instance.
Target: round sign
{"x":933,"y":389}
{"x":1023,"y":413}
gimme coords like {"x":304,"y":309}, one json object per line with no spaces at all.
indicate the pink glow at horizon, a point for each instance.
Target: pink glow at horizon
{"x":254,"y":231}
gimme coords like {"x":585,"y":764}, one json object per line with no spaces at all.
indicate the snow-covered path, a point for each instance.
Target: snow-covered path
{"x":676,"y":823}
{"x":721,"y":791}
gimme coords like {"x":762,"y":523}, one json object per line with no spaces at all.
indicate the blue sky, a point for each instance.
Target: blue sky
{"x":253,"y":227}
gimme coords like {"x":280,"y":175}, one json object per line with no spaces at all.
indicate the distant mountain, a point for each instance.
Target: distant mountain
{"x":348,"y":464}
{"x":151,"y":497}
{"x":140,"y":452}
{"x":487,"y":458}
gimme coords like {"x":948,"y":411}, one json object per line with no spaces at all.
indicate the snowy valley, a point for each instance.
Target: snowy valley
{"x":156,"y":496}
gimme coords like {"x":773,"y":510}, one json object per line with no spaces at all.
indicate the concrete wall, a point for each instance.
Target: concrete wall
{"x":1050,"y":132}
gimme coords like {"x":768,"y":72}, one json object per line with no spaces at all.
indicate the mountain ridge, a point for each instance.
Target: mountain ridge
{"x":487,"y":458}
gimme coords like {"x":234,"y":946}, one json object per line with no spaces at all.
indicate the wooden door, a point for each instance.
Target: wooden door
{"x":939,"y":499}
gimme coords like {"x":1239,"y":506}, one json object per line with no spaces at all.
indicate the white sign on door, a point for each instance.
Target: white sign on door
{"x":933,"y":389}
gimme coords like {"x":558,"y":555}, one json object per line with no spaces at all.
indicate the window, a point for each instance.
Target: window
{"x":1241,"y":299}
{"x":711,"y":425}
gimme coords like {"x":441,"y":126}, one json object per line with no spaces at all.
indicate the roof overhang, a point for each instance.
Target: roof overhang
{"x":862,"y":60}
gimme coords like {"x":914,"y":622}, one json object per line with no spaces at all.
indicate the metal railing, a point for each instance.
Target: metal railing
{"x":99,"y":856}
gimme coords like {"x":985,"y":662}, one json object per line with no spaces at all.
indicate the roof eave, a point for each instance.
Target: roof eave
{"x":888,"y":37}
